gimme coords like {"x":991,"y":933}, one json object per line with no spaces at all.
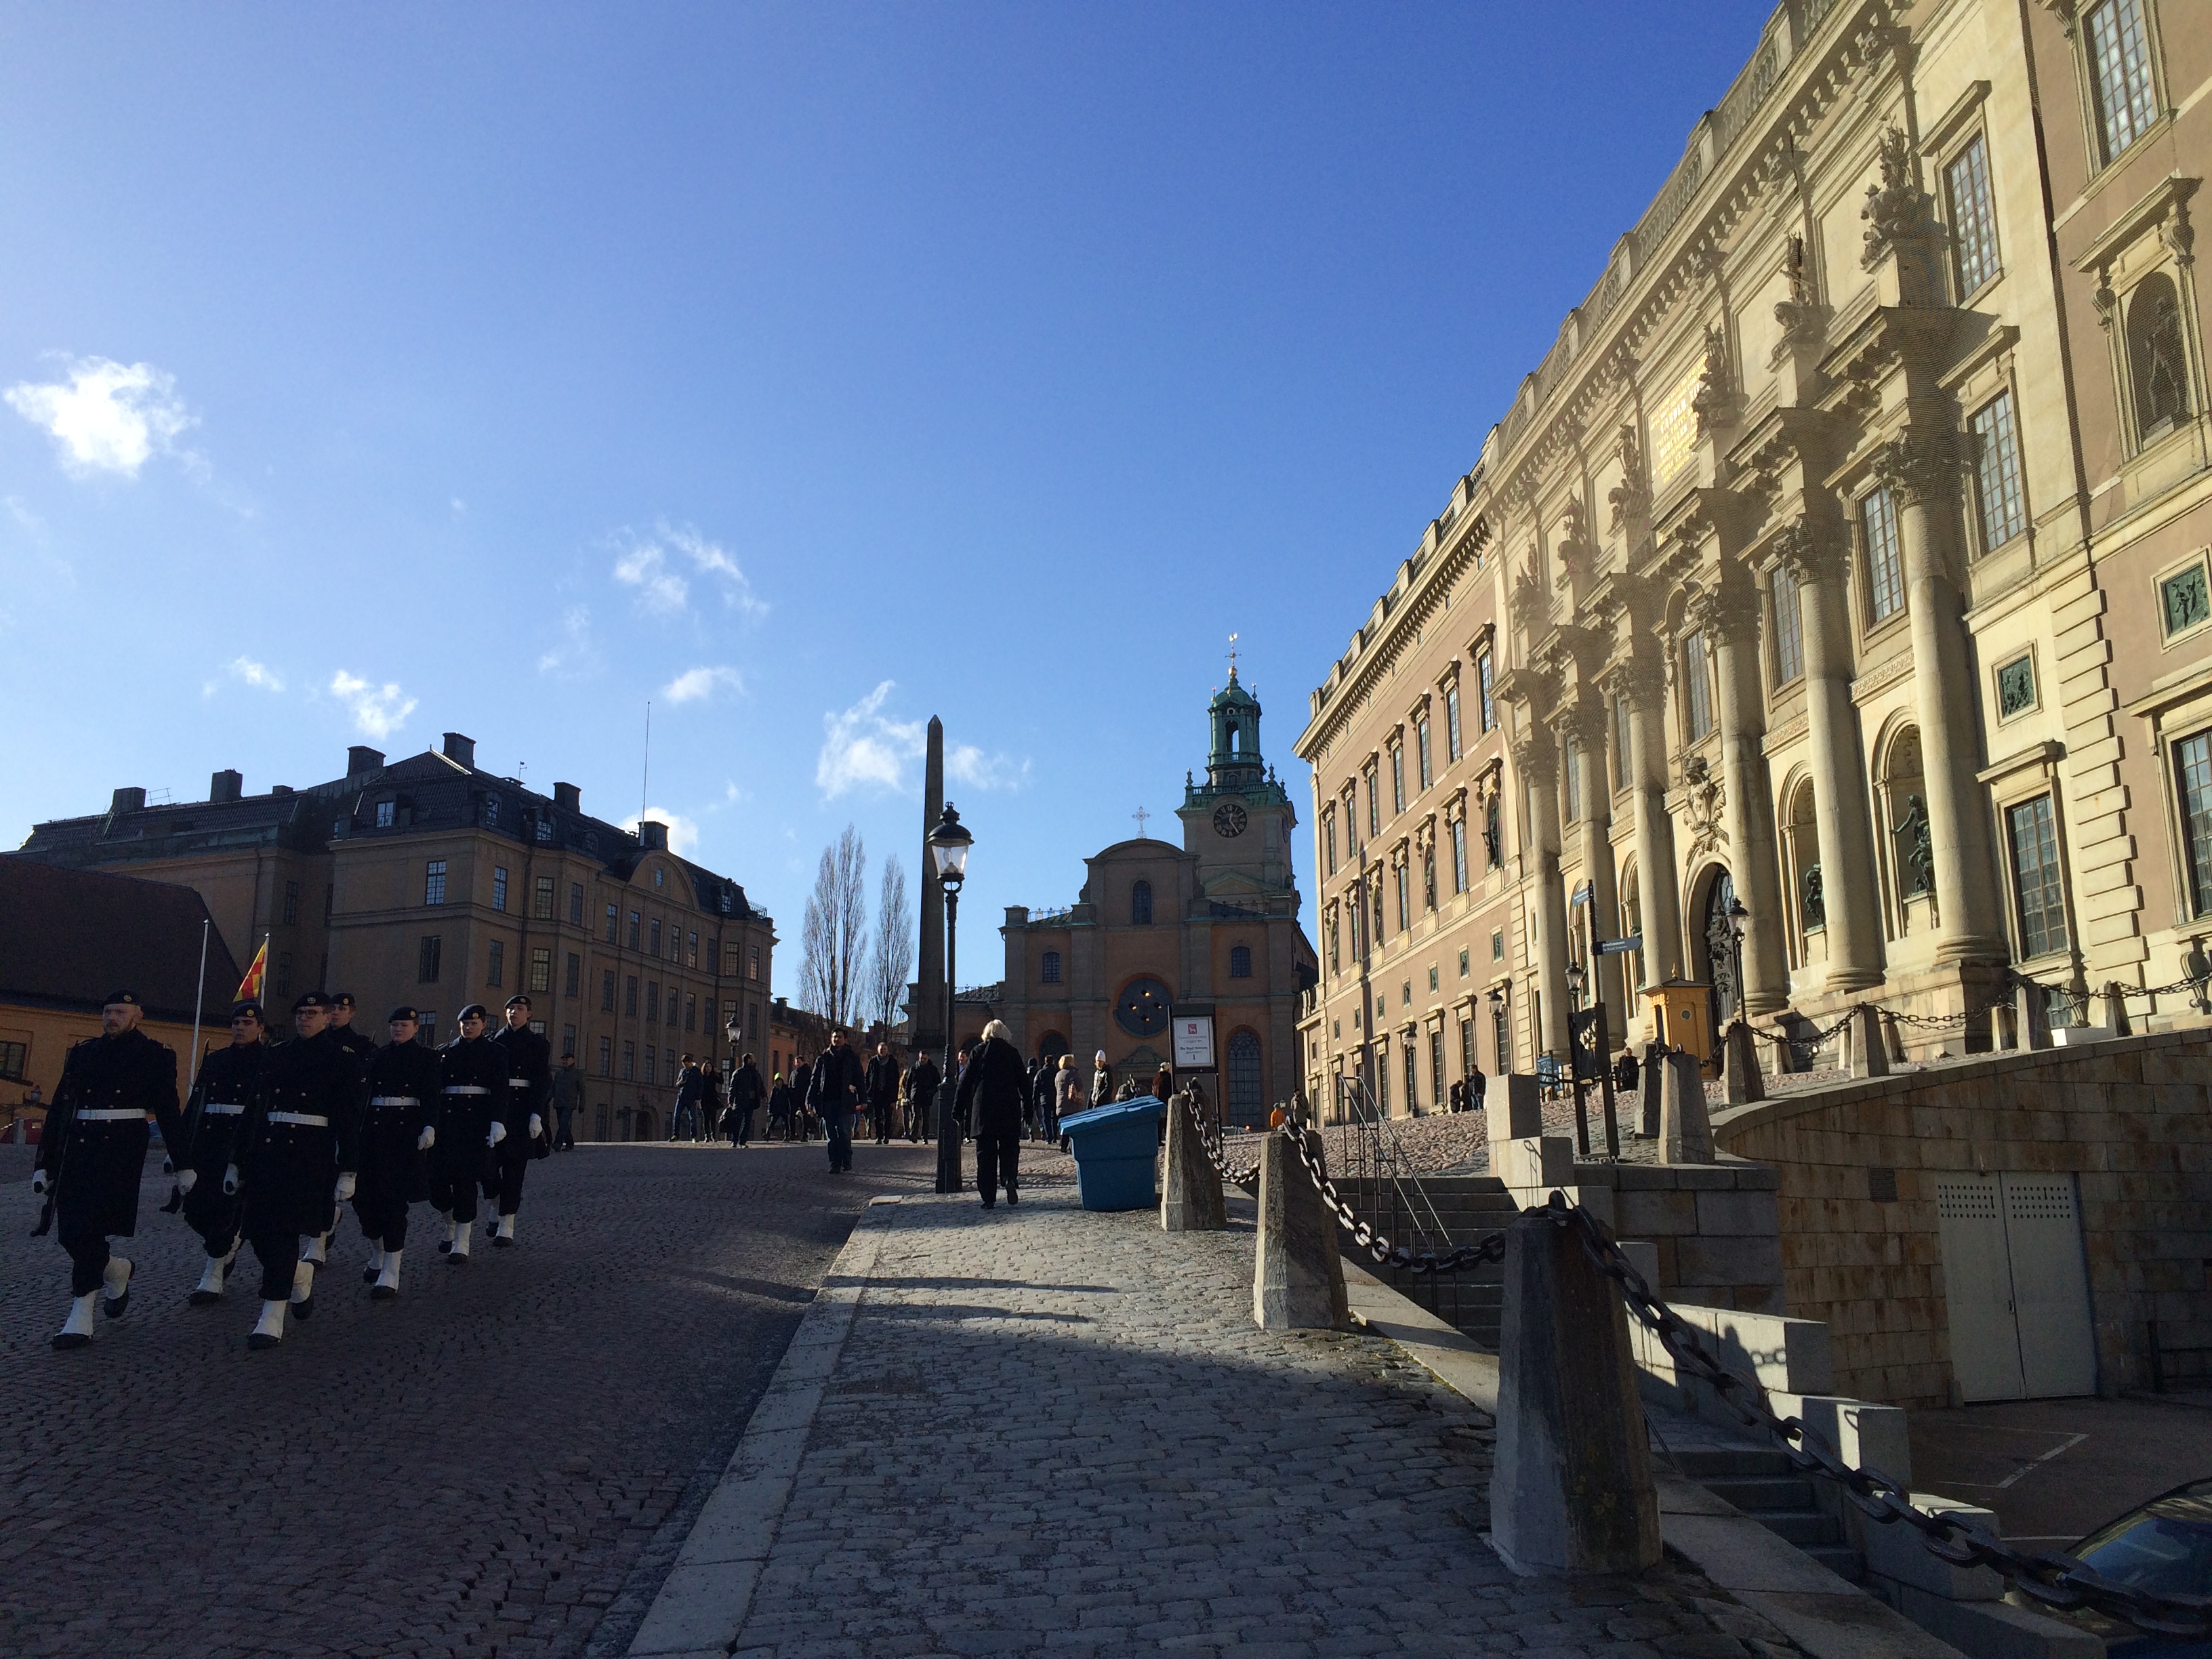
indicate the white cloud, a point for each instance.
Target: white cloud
{"x":965,"y":763}
{"x":860,"y":747}
{"x":377,"y":710}
{"x":259,"y":676}
{"x":682,"y":832}
{"x":577,"y":651}
{"x":106,"y":416}
{"x":654,"y":565}
{"x":699,"y":684}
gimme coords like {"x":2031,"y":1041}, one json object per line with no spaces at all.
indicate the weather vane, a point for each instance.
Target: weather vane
{"x":1232,"y":656}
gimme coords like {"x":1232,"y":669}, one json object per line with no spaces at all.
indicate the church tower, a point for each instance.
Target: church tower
{"x":1239,"y":821}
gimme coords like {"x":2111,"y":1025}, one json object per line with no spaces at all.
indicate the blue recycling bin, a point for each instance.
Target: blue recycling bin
{"x":1115,"y":1147}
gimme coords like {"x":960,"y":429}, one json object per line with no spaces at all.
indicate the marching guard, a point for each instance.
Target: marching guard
{"x":94,"y":1151}
{"x":403,"y":1079}
{"x":361,"y":1046}
{"x":227,"y":1083}
{"x":471,"y":1094}
{"x":299,"y":1151}
{"x":521,"y":1115}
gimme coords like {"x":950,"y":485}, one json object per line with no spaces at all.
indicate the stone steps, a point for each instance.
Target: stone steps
{"x":1760,"y":1483}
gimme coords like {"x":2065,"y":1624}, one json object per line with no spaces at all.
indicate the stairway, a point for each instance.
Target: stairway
{"x":1759,"y":1481}
{"x":1468,"y":1206}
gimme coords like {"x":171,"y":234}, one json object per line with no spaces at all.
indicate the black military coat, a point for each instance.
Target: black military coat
{"x":357,"y":1043}
{"x":94,"y":1158}
{"x":399,"y":1086}
{"x":529,"y":1085}
{"x":214,"y":1122}
{"x":473,"y":1085}
{"x":301,"y":1130}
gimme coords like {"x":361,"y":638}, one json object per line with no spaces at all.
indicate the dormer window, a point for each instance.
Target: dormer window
{"x":659,"y":876}
{"x":385,"y":811}
{"x":544,"y":830}
{"x":491,"y":811}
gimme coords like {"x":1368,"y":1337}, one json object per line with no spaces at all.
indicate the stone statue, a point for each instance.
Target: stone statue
{"x":2197,"y":968}
{"x":1915,"y":849}
{"x":1815,"y":904}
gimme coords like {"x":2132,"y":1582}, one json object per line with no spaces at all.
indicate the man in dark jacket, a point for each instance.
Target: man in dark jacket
{"x":883,"y":1092}
{"x":472,"y":1073}
{"x":520,"y":1118}
{"x":684,"y":1123}
{"x":921,"y":1081}
{"x":801,"y":1076}
{"x":995,"y":1081}
{"x":746,"y":1091}
{"x":1042,"y":1087}
{"x":402,"y":1080}
{"x":568,"y":1095}
{"x":359,"y":1046}
{"x":835,"y":1090}
{"x":92,"y":1150}
{"x":299,"y":1151}
{"x":213,"y":1118}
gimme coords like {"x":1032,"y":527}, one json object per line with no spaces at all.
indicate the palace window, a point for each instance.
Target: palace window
{"x":1421,"y":751}
{"x":1997,"y":495}
{"x":491,"y":811}
{"x":1885,"y":564}
{"x":653,"y":933}
{"x":1788,"y":626}
{"x":1397,"y":778}
{"x":495,"y":963}
{"x":1574,"y":771}
{"x":1623,"y":744}
{"x":1240,"y":961}
{"x":653,"y":1002}
{"x":637,"y":925}
{"x":1413,"y":1081}
{"x":606,"y":1056}
{"x":1141,"y":904}
{"x":1459,"y":853}
{"x":541,"y":899}
{"x":499,"y":887}
{"x":575,"y":982}
{"x":691,"y":1010}
{"x":614,"y":922}
{"x":2036,"y":886}
{"x":540,"y":968}
{"x":1973,"y":216}
{"x":1467,"y":1067}
{"x":629,"y":996}
{"x":2119,"y":73}
{"x":1404,"y":898}
{"x":567,"y":1040}
{"x":291,"y":902}
{"x":1697,"y":689}
{"x":629,"y":1061}
{"x":543,"y":831}
{"x":607,"y":991}
{"x":1451,"y":721}
{"x":1488,"y":710}
{"x":2158,"y":363}
{"x":1437,"y":1066}
{"x":1048,"y":968}
{"x":427,"y":955}
{"x":1374,"y":805}
{"x":2192,"y":763}
{"x":384,"y":812}
{"x":576,"y":904}
{"x":690,"y":950}
{"x":752,"y":961}
{"x":1328,"y":837}
{"x":13,"y":1056}
{"x":434,"y":882}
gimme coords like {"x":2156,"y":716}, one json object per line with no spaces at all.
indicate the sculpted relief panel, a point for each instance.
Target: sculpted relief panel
{"x":1674,"y":425}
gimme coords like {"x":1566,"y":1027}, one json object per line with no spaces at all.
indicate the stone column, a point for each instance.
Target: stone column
{"x":1585,"y":722}
{"x":1536,"y":757}
{"x":1728,"y":614}
{"x":1819,"y":557}
{"x":1920,"y":466}
{"x":1641,"y":681}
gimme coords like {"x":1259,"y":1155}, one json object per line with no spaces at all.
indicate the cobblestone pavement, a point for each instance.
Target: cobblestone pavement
{"x":499,"y":1463}
{"x":1060,"y":1431}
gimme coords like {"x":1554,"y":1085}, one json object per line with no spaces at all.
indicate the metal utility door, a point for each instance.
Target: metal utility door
{"x":2016,"y":1285}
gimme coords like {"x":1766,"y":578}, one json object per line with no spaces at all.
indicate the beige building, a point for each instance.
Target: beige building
{"x":1845,"y":559}
{"x":430,"y":882}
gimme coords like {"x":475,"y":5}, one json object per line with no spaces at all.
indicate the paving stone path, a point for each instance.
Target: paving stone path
{"x":1060,"y":1432}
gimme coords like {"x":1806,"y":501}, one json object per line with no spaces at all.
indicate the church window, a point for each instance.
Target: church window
{"x":1451,"y":721}
{"x":1488,"y":710}
{"x":1885,"y":565}
{"x":1459,"y":854}
{"x":1397,"y":777}
{"x":1244,"y":1080}
{"x":2157,"y":365}
{"x":1996,"y":473}
{"x":1141,"y":904}
{"x":2119,"y":70}
{"x":1240,"y":961}
{"x":1049,"y":970}
{"x":1421,"y":751}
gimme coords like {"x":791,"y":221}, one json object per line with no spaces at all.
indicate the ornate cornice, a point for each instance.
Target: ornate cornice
{"x":1815,"y":551}
{"x":1921,"y":463}
{"x":1726,"y":611}
{"x":1638,"y":680}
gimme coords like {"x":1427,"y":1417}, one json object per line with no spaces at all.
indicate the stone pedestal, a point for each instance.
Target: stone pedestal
{"x":1685,"y":1130}
{"x":1513,"y":1108}
{"x":1652,"y":1082}
{"x":2031,"y":1016}
{"x":1298,"y":1277}
{"x":1571,"y":1492}
{"x":1869,"y":1051}
{"x":1747,"y":1084}
{"x":1191,"y":1199}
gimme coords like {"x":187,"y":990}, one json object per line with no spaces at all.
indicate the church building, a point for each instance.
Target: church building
{"x":1207,"y":928}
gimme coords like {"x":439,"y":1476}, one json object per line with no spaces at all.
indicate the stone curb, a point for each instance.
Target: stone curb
{"x":1827,"y":1616}
{"x":704,"y":1602}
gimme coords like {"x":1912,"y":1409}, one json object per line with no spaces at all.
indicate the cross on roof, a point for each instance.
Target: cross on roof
{"x":1141,"y":816}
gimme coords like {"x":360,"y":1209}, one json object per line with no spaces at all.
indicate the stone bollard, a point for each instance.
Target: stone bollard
{"x":2116,"y":1009}
{"x":2031,"y":1018}
{"x":1869,"y":1053}
{"x":1746,"y":1085}
{"x":1685,"y":1129}
{"x":1652,"y":1082}
{"x":1191,"y":1199}
{"x":1571,"y":1490}
{"x":1298,"y":1277}
{"x":1512,"y":1107}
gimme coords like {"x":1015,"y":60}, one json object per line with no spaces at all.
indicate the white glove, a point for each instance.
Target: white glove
{"x":38,"y":1183}
{"x":537,"y":1126}
{"x":230,"y":1180}
{"x":344,"y":1188}
{"x":498,"y":1133}
{"x":427,"y":1138}
{"x":187,"y":1179}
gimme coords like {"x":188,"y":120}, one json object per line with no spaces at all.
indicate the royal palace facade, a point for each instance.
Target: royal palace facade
{"x":1838,"y":580}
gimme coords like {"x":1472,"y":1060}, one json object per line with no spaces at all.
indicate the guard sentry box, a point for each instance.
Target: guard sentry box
{"x":1116,"y":1148}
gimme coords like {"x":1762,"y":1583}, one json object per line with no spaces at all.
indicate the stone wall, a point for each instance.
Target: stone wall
{"x":2131,"y":1119}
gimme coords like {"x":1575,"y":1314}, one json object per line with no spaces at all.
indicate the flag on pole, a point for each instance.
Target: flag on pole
{"x":249,"y":988}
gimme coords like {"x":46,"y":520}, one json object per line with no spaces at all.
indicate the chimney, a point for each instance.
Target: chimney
{"x":567,"y":797}
{"x":652,"y":834}
{"x":461,"y":751}
{"x":280,"y":788}
{"x":226,"y":785}
{"x":360,"y":758}
{"x":128,"y":800}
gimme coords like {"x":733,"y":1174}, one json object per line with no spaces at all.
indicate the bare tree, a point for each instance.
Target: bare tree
{"x":892,"y":958}
{"x":835,"y":932}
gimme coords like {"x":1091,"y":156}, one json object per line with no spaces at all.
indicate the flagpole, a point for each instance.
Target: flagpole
{"x":199,"y":998}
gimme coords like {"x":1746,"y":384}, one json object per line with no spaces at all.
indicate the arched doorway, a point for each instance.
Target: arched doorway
{"x":1244,"y":1101}
{"x":1717,"y":946}
{"x":641,"y":1124}
{"x":1052,"y":1047}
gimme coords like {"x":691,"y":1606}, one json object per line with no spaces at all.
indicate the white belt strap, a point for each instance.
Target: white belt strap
{"x":305,"y":1120}
{"x":110,"y":1115}
{"x":394,"y":1100}
{"x":518,"y":1083}
{"x":222,"y":1108}
{"x":466,"y":1088}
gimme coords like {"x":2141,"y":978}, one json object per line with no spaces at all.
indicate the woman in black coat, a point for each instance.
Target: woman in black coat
{"x":998,"y":1085}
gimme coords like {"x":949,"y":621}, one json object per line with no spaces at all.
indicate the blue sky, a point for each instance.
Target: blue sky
{"x":807,"y":370}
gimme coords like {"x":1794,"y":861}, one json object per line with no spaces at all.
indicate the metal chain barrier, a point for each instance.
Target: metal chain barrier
{"x":1490,"y":1248}
{"x":2051,"y":1576}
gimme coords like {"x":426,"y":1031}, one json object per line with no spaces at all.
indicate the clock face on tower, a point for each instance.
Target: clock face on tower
{"x":1228,"y":819}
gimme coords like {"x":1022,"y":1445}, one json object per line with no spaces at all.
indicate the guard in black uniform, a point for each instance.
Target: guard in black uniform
{"x":473,"y":1089}
{"x":301,"y":1148}
{"x":213,"y":1118}
{"x":361,"y":1046}
{"x":92,"y":1151}
{"x":529,"y":1086}
{"x":402,"y":1083}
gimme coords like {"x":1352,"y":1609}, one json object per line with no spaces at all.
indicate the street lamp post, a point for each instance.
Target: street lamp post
{"x":1737,"y":916}
{"x":948,"y":847}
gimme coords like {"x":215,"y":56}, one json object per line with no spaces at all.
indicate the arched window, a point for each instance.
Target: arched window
{"x":2157,"y":362}
{"x":1140,"y":904}
{"x":1050,"y":967}
{"x":1244,"y":1101}
{"x":1240,"y":961}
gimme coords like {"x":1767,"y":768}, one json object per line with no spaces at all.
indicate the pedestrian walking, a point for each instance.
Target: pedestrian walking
{"x":1101,"y":1079}
{"x":710,"y":1104}
{"x":92,"y":1151}
{"x":1068,"y":1098}
{"x":834,"y":1090}
{"x":213,"y":1117}
{"x":472,"y":1075}
{"x":1163,"y":1084}
{"x":518,"y":1113}
{"x":1477,"y":1085}
{"x":401,"y":1081}
{"x":802,"y":1076}
{"x":992,"y":1087}
{"x":745,"y":1092}
{"x":779,"y":1108}
{"x":921,"y":1081}
{"x":1043,"y":1089}
{"x":1624,"y":1072}
{"x":687,"y":1102}
{"x":568,"y":1095}
{"x":300,"y":1149}
{"x":883,"y":1092}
